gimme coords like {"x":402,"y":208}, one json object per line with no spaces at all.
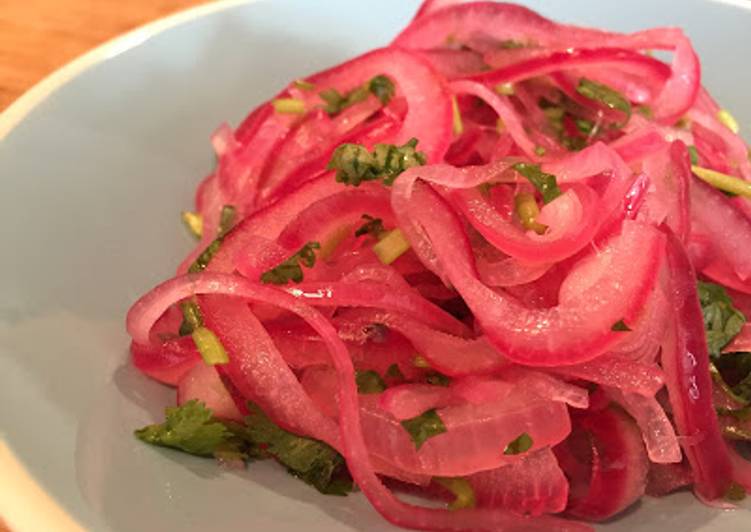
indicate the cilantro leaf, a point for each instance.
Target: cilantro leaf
{"x":722,"y":321}
{"x":423,"y":427}
{"x":310,"y":460}
{"x":620,"y":326}
{"x":693,"y":154}
{"x":291,"y":268}
{"x":437,"y":379}
{"x":369,"y":382}
{"x":735,"y":492}
{"x":190,"y":428}
{"x":521,"y":444}
{"x":393,"y":372}
{"x":354,"y":163}
{"x":372,"y":226}
{"x":226,"y":219}
{"x":607,"y":96}
{"x":546,"y":184}
{"x":379,"y":86}
{"x":382,"y":88}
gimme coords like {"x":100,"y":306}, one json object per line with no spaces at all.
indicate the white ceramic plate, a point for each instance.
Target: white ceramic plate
{"x":95,"y":164}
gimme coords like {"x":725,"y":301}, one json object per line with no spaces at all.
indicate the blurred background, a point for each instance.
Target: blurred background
{"x":38,"y":36}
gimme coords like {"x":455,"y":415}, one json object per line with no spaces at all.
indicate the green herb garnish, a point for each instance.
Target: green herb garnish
{"x":309,"y":460}
{"x":607,"y":96}
{"x":393,"y":372}
{"x":693,"y":155}
{"x":380,"y":86}
{"x":437,"y":379}
{"x":369,"y":382}
{"x":722,"y":321}
{"x":546,"y":184}
{"x":190,"y":427}
{"x":291,"y":269}
{"x":372,"y":227}
{"x":423,"y":427}
{"x":620,"y":326}
{"x":354,"y":163}
{"x":521,"y":444}
{"x":735,"y":492}
{"x":226,"y":219}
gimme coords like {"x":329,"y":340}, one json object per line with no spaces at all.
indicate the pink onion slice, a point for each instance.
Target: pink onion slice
{"x":203,"y":384}
{"x":605,"y":461}
{"x":686,"y":363}
{"x":657,"y":431}
{"x":579,"y":328}
{"x":535,"y":485}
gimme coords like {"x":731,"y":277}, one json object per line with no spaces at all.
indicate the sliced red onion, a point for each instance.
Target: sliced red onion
{"x":535,"y":485}
{"x":686,"y":363}
{"x":605,"y":462}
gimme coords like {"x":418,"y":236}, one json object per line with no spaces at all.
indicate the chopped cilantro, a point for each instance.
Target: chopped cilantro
{"x":722,"y":321}
{"x":693,"y":154}
{"x":192,"y":318}
{"x":369,"y":382}
{"x":354,"y":163}
{"x":545,"y":183}
{"x":521,"y":444}
{"x":226,"y":219}
{"x":309,"y":460}
{"x":607,"y":96}
{"x":645,"y":111}
{"x":423,"y":427}
{"x":190,"y":427}
{"x":291,"y":269}
{"x":380,"y":86}
{"x":735,"y":492}
{"x":372,"y":227}
{"x":620,"y":326}
{"x":437,"y":379}
{"x":393,"y":372}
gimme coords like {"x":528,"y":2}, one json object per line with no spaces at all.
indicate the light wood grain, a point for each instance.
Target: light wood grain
{"x":38,"y":36}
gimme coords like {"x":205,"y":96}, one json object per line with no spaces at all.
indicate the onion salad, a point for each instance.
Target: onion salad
{"x":501,"y":264}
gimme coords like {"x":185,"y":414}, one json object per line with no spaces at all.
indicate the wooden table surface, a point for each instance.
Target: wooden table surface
{"x":38,"y":36}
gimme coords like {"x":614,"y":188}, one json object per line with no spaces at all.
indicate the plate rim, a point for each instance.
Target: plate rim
{"x":24,"y":503}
